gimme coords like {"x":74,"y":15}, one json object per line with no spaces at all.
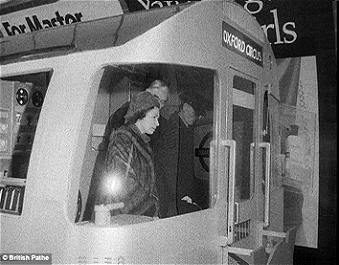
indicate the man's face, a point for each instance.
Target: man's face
{"x":163,"y":95}
{"x":188,"y":114}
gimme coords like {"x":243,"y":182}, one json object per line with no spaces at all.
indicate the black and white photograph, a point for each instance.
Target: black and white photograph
{"x":168,"y":132}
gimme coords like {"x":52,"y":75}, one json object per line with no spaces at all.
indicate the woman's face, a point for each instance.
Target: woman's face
{"x":150,"y":122}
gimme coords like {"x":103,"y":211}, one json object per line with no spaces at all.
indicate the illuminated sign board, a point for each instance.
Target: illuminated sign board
{"x":236,"y":41}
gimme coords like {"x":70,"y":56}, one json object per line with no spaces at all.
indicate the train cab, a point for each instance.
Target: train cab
{"x":61,"y":85}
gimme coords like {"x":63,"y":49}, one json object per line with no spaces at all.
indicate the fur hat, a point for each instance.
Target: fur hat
{"x":140,"y":102}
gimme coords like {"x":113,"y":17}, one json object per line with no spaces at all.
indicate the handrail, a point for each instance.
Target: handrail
{"x":267,"y":146}
{"x":252,"y":178}
{"x":213,"y":184}
{"x":231,"y":189}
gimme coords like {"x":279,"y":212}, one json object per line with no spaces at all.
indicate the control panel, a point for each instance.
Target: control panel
{"x":20,"y":106}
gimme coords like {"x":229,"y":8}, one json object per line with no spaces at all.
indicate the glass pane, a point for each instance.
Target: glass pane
{"x":243,"y":84}
{"x":179,"y":146}
{"x":243,"y":118}
{"x":243,"y":135}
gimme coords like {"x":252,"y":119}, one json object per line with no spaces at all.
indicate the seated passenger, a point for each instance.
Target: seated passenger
{"x":129,"y":178}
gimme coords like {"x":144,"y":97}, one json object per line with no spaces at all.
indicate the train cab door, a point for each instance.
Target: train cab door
{"x":245,"y":202}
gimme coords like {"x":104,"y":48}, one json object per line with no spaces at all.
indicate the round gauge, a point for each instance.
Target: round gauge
{"x":22,"y":96}
{"x":37,"y":99}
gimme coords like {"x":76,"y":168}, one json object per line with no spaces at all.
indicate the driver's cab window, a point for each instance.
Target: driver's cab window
{"x":147,"y":153}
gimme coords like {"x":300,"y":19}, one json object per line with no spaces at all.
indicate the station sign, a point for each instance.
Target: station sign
{"x":238,"y":42}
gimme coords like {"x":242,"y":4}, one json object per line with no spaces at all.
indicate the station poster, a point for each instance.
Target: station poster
{"x":298,"y":86}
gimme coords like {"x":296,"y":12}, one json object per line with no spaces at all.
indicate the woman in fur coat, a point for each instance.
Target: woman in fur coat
{"x":129,"y":179}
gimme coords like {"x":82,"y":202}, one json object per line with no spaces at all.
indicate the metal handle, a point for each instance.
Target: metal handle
{"x":267,"y":146}
{"x":252,"y":179}
{"x":231,"y":188}
{"x":213,"y":183}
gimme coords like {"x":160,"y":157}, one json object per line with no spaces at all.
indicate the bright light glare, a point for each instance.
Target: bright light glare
{"x":114,"y":184}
